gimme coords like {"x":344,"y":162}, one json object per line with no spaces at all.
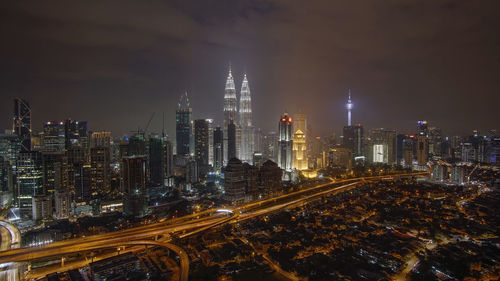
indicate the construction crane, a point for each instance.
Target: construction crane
{"x":143,"y":132}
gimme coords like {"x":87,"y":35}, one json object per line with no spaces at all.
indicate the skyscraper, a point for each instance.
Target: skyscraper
{"x":54,"y":138}
{"x":168,"y":154}
{"x":156,"y":161}
{"x":183,"y":127}
{"x":134,"y":185}
{"x":245,"y":122}
{"x":354,"y":140}
{"x":76,"y":133}
{"x":210,"y":123}
{"x":22,"y":123}
{"x":285,"y":143}
{"x":218,"y":149}
{"x":29,"y":180}
{"x":201,"y":148}
{"x":231,"y":140}
{"x":300,"y":142}
{"x":230,"y":112}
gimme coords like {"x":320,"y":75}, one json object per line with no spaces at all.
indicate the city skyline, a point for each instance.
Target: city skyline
{"x":450,"y":81}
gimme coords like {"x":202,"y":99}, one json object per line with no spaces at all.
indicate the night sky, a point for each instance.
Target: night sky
{"x":114,"y":63}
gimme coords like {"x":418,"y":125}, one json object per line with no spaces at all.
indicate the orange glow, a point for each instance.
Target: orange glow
{"x":290,"y":119}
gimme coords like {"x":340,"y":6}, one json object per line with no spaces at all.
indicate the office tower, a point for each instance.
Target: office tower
{"x":168,"y":154}
{"x":192,"y":171}
{"x":22,"y":123}
{"x":234,"y":181}
{"x":349,"y":106}
{"x":76,"y":133}
{"x":408,"y":154}
{"x":53,"y":137}
{"x":82,"y":182}
{"x":55,"y":171}
{"x":156,"y":161}
{"x":210,"y":123}
{"x":400,"y":148}
{"x":231,"y":140}
{"x":245,"y":122}
{"x":183,"y":126}
{"x":299,"y":150}
{"x":251,"y":176}
{"x":218,"y":149}
{"x":29,"y":180}
{"x":100,"y":171}
{"x":422,"y":150}
{"x":201,"y":146}
{"x":62,"y":199}
{"x":258,"y":141}
{"x":10,"y":146}
{"x":270,"y":146}
{"x":100,"y":139}
{"x":422,"y":128}
{"x":258,"y":159}
{"x":435,"y":142}
{"x":285,"y":143}
{"x":230,"y":112}
{"x":382,"y":146}
{"x":136,"y":145}
{"x":353,"y":139}
{"x":6,"y":183}
{"x":339,"y":157}
{"x":134,"y":185}
{"x":42,"y":207}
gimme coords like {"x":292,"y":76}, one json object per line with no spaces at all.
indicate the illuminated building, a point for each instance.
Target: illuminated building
{"x":349,"y":106}
{"x":408,"y":155}
{"x":55,"y":171}
{"x":231,"y":140}
{"x":192,"y":171}
{"x":22,"y":123}
{"x":258,"y":159}
{"x":246,"y":147}
{"x":6,"y":183}
{"x":201,"y":146}
{"x":76,"y":133}
{"x":300,"y":143}
{"x":54,"y":137}
{"x":100,"y":171}
{"x":29,"y":180}
{"x":210,"y":123}
{"x":82,"y":183}
{"x":42,"y":207}
{"x":62,"y":200}
{"x":422,"y":128}
{"x":230,"y":112}
{"x":100,"y":139}
{"x":285,"y":143}
{"x":382,"y":146}
{"x":134,"y":185}
{"x":183,"y":126}
{"x":353,"y":139}
{"x":251,"y":176}
{"x":234,"y":181}
{"x":299,"y":151}
{"x":422,"y":150}
{"x":218,"y":149}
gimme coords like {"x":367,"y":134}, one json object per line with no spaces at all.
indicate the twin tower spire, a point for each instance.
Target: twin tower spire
{"x":245,"y":138}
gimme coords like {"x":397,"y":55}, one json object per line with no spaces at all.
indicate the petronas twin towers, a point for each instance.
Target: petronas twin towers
{"x":241,"y":135}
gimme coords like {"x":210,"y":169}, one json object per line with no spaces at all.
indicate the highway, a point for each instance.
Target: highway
{"x":10,"y":239}
{"x":186,"y":225}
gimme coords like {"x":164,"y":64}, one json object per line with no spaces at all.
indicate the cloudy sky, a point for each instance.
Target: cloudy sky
{"x":114,"y":63}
